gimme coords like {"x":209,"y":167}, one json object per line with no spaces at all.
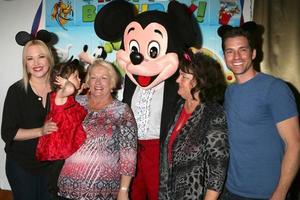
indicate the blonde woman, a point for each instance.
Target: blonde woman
{"x":24,"y":112}
{"x":103,"y":166}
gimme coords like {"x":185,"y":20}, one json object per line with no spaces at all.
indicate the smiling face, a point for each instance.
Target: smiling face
{"x":37,"y":63}
{"x":145,"y":58}
{"x":239,"y":57}
{"x":99,"y":81}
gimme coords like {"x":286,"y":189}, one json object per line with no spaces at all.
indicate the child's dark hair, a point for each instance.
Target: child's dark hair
{"x":208,"y":74}
{"x":64,"y":70}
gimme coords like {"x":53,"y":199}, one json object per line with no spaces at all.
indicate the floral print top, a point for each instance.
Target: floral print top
{"x":94,"y":171}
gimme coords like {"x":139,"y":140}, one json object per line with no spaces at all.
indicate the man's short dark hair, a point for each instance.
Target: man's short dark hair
{"x":246,"y":30}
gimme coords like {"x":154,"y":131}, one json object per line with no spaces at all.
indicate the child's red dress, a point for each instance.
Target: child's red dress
{"x":70,"y":135}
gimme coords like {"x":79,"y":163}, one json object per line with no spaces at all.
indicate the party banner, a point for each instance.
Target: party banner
{"x":73,"y":22}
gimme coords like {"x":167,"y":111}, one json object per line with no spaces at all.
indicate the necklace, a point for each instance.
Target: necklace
{"x":41,"y":94}
{"x":98,"y":105}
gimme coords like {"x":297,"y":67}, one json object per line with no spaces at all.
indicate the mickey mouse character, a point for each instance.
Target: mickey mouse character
{"x":152,"y":44}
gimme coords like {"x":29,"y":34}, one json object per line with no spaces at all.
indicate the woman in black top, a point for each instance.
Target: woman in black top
{"x":24,"y":112}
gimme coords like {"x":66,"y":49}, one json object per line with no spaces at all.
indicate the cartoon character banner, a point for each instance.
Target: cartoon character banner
{"x":73,"y":22}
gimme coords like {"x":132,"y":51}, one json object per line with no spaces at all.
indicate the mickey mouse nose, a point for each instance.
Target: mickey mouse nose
{"x":136,"y":58}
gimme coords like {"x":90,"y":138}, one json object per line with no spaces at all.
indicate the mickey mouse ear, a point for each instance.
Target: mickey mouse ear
{"x":249,"y":26}
{"x":70,"y":59}
{"x":44,"y":35}
{"x":223,"y":29}
{"x":181,"y":17}
{"x":22,"y":38}
{"x":112,"y":19}
{"x":75,"y":61}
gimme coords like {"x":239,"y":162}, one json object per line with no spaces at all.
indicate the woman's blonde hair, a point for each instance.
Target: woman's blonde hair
{"x":114,"y":74}
{"x":48,"y":55}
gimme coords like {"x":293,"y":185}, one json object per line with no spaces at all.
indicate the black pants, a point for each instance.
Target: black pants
{"x":25,"y":185}
{"x":63,"y":198}
{"x":55,"y":169}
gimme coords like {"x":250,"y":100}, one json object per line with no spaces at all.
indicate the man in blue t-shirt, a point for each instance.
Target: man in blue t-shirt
{"x":263,"y":125}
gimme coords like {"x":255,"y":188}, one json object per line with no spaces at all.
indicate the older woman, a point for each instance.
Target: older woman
{"x":103,"y":166}
{"x":194,"y":155}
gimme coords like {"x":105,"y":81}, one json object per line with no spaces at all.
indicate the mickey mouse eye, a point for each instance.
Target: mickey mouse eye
{"x":153,"y":49}
{"x":134,"y":46}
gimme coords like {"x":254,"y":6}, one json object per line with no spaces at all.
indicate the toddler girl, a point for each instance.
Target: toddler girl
{"x":67,"y":114}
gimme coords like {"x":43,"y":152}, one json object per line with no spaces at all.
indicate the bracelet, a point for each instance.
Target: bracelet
{"x":124,"y":189}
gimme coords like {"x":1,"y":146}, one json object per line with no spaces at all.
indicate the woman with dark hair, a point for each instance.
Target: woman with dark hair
{"x":194,"y":155}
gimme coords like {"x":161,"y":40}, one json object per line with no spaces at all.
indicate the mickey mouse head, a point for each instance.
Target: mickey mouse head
{"x":152,"y":41}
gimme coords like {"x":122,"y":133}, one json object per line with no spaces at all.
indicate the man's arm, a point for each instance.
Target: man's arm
{"x":290,"y":134}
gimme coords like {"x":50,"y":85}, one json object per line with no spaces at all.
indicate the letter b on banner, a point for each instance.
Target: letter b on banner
{"x":88,"y":13}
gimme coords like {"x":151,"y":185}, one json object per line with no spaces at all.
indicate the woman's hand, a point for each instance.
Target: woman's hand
{"x":211,"y":195}
{"x":124,"y":187}
{"x":49,"y":127}
{"x":123,"y":195}
{"x":26,"y":134}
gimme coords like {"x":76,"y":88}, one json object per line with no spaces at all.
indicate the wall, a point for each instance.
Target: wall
{"x":15,"y":15}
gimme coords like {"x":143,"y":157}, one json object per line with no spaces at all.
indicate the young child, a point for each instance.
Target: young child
{"x":67,"y":114}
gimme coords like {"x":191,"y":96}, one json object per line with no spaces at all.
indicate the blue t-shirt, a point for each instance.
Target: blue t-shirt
{"x":256,"y":149}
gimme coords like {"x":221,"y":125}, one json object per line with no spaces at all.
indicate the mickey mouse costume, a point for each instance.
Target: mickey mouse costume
{"x":152,"y":44}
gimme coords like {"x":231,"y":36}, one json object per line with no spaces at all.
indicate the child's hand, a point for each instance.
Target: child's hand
{"x":83,"y":87}
{"x":60,"y":81}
